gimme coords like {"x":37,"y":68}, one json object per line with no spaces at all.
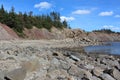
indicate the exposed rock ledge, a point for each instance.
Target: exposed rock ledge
{"x":49,"y":60}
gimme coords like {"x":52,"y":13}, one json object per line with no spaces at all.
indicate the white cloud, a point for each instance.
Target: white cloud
{"x":111,"y":27}
{"x":81,"y":12}
{"x":117,"y":16}
{"x":67,"y":18}
{"x":107,"y":13}
{"x":43,"y":5}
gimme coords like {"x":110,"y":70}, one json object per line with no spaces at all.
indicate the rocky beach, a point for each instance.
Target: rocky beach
{"x":55,"y":60}
{"x":49,"y":40}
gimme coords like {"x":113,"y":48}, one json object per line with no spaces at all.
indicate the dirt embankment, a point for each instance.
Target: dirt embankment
{"x":7,"y":33}
{"x":76,"y":34}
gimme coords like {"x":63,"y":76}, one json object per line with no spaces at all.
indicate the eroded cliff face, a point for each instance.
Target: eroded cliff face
{"x":7,"y":33}
{"x":36,"y":33}
{"x":43,"y":33}
{"x":54,"y":33}
{"x":104,"y":36}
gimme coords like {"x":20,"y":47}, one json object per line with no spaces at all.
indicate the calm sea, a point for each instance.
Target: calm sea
{"x":109,"y":48}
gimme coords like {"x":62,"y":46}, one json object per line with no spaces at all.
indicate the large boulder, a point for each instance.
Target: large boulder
{"x":16,"y":74}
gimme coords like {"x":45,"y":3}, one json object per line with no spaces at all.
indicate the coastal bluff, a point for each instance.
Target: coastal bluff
{"x":7,"y":33}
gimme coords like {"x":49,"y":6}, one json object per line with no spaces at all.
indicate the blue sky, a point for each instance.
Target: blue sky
{"x":84,"y":14}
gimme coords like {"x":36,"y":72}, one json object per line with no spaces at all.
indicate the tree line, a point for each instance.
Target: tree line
{"x":105,"y":31}
{"x":19,"y":21}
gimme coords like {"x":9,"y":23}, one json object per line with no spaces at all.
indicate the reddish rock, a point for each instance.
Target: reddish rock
{"x":36,"y":33}
{"x":7,"y":33}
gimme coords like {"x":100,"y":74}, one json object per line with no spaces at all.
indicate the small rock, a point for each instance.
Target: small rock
{"x":89,"y":67}
{"x":98,"y":71}
{"x":74,"y":58}
{"x":114,"y":63}
{"x":64,"y":65}
{"x":107,"y":77}
{"x":54,"y":64}
{"x":57,"y":74}
{"x":75,"y":71}
{"x":95,"y":78}
{"x":116,"y":74}
{"x":103,"y":66}
{"x":44,"y":64}
{"x":88,"y":75}
{"x":71,"y":78}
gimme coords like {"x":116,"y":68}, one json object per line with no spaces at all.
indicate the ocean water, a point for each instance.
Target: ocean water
{"x":107,"y":48}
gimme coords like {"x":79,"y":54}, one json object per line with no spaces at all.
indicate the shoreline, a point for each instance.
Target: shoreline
{"x":54,"y":60}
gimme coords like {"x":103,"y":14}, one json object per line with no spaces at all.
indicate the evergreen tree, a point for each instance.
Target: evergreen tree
{"x":27,"y":20}
{"x":14,"y":21}
{"x":56,"y":19}
{"x":3,"y":14}
{"x":65,"y":25}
